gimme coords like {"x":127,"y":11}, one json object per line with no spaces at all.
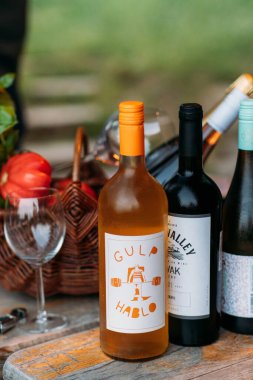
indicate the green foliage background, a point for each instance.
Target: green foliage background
{"x":178,"y":37}
{"x":161,"y":51}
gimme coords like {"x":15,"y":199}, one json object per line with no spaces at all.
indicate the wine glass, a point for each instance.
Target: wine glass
{"x":34,"y":228}
{"x":158,"y":128}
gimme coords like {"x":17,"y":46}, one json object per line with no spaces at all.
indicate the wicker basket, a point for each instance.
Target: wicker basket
{"x":74,"y":270}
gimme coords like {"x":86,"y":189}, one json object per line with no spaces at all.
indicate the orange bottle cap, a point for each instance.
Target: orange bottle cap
{"x":131,"y":125}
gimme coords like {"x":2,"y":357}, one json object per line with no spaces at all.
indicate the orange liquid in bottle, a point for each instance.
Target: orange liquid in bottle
{"x":133,"y":219}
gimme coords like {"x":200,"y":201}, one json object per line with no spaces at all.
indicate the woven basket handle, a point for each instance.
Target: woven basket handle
{"x":81,"y":144}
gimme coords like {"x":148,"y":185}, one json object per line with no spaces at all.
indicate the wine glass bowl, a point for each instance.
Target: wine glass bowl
{"x":158,"y":128}
{"x":34,"y":228}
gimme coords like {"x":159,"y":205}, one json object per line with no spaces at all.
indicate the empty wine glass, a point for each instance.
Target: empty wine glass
{"x":34,"y":228}
{"x":158,"y":128}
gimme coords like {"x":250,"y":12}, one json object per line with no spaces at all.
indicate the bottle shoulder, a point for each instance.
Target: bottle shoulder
{"x":145,"y":181}
{"x":196,"y":184}
{"x":239,"y":201}
{"x":238,"y":208}
{"x":212,"y":185}
{"x":241,"y":190}
{"x":132,"y":192}
{"x":237,"y":217}
{"x":194,"y":193}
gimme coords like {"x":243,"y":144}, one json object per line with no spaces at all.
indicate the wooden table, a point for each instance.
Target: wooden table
{"x":82,"y":313}
{"x":74,"y":353}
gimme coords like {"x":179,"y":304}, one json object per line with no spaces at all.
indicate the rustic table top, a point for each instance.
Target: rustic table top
{"x":74,"y":353}
{"x":78,"y":356}
{"x":82,"y":313}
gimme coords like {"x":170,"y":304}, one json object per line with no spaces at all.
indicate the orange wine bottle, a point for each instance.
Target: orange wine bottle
{"x":132,"y":216}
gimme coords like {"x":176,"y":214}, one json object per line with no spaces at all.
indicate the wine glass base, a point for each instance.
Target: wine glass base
{"x":53,"y":322}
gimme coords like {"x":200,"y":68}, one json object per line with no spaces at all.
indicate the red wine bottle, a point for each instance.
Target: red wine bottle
{"x":162,"y":162}
{"x":194,"y":224}
{"x":237,"y":256}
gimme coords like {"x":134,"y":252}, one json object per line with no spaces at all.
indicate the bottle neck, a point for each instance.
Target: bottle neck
{"x":190,"y":147}
{"x":245,"y":158}
{"x":189,"y":166}
{"x":132,"y":163}
{"x":132,"y":153}
{"x":244,"y":167}
{"x":245,"y":139}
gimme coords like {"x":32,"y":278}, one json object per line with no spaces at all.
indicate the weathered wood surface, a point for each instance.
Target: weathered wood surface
{"x":50,"y":108}
{"x":82,"y":313}
{"x":48,"y":116}
{"x":66,"y":86}
{"x":79,"y":357}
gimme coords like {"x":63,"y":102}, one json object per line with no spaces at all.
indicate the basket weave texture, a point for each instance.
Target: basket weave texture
{"x":74,"y":270}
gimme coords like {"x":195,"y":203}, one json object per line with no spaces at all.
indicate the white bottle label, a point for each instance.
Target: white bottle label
{"x":227,"y":112}
{"x":237,"y":285}
{"x":189,"y":265}
{"x":135,"y":283}
{"x":219,"y":276}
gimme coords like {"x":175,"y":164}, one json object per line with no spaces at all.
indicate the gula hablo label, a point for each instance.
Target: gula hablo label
{"x":135,"y":283}
{"x":189,"y":265}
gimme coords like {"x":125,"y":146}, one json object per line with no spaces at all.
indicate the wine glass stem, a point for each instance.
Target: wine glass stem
{"x":41,"y":312}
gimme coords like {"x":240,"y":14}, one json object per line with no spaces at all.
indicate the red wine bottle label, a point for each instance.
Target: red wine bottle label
{"x":237,"y":285}
{"x":227,"y":112}
{"x":135,"y":283}
{"x":189,"y":265}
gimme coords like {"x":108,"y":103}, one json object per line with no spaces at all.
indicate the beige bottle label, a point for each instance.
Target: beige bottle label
{"x":135,"y":288}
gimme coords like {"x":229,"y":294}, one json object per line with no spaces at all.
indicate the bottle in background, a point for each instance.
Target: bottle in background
{"x":162,"y":163}
{"x":237,"y":260}
{"x":133,"y":233}
{"x":194,"y":223}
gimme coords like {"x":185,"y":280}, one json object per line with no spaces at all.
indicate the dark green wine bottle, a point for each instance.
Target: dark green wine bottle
{"x":237,"y":259}
{"x":194,"y":223}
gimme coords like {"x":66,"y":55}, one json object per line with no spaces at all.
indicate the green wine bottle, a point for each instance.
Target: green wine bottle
{"x":237,"y":259}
